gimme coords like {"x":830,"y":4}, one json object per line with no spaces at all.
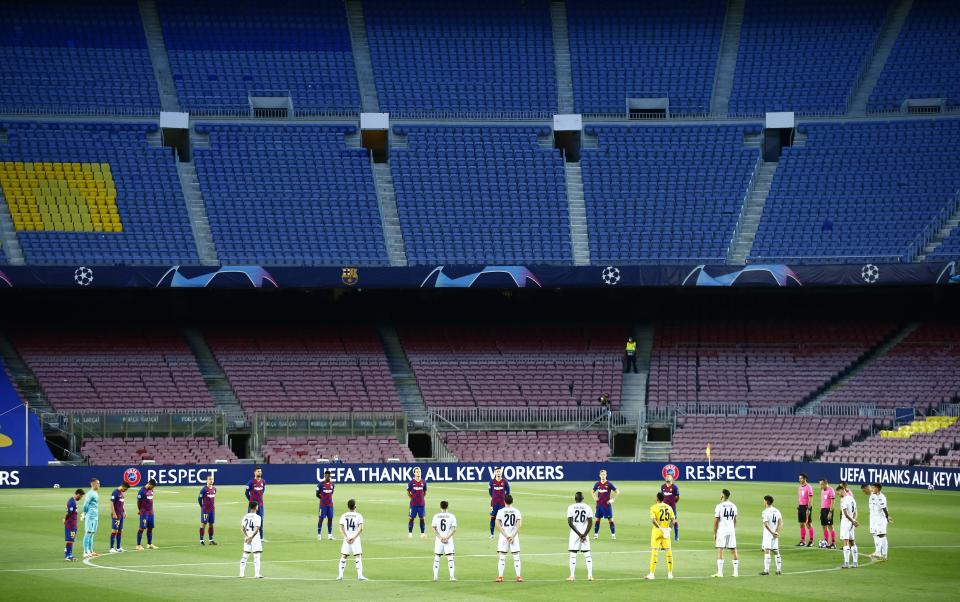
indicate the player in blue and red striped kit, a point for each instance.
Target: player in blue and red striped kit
{"x":417,"y":492}
{"x":145,"y":508}
{"x":325,"y":495}
{"x":499,"y":489}
{"x":208,"y":511}
{"x":255,"y":490}
{"x":117,"y":514}
{"x":671,"y":495}
{"x":70,"y":525}
{"x":601,"y":493}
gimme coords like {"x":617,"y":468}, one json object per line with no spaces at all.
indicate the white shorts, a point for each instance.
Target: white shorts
{"x":254,"y":546}
{"x":726,"y":540}
{"x":351,"y":549}
{"x":503,"y":547}
{"x":441,"y":548}
{"x":575,"y":545}
{"x":770,"y":542}
{"x":847,"y":530}
{"x":878,"y":527}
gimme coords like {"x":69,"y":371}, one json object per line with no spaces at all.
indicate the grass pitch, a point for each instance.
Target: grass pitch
{"x":924,"y":550}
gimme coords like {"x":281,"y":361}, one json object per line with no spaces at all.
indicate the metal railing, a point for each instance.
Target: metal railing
{"x":269,"y":425}
{"x":668,"y":413}
{"x":949,"y":409}
{"x":931,"y":229}
{"x":520,"y":418}
{"x":743,"y":206}
{"x":827,"y":259}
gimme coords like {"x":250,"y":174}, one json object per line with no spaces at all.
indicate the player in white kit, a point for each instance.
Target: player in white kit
{"x":508,"y":523}
{"x":252,"y":542}
{"x":351,"y":526}
{"x":725,"y":532}
{"x":444,"y":524}
{"x":772,"y":526}
{"x":848,"y":525}
{"x":879,"y":519}
{"x":580,"y":521}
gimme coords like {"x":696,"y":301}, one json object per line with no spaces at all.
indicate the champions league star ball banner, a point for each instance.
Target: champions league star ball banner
{"x":925,"y":477}
{"x":481,"y":276}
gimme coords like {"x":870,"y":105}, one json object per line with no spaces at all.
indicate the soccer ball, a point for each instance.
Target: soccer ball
{"x":56,"y":485}
{"x":870,"y":273}
{"x":83,"y":276}
{"x":823,"y":544}
{"x":610,"y":275}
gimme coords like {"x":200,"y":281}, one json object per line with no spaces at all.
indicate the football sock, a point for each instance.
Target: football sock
{"x":410,"y":526}
{"x":358,"y":561}
{"x":243,"y":564}
{"x":676,"y":531}
{"x":139,"y":536}
{"x":573,"y":563}
{"x":343,"y":565}
{"x":119,"y":534}
{"x":766,"y":562}
{"x":329,"y":526}
{"x":201,"y":533}
{"x":779,"y":562}
{"x":596,"y":527}
{"x":210,"y":532}
{"x":86,"y":543}
{"x":516,"y":563}
{"x":68,"y":551}
{"x":423,"y":526}
{"x":876,"y":544}
{"x":736,"y":567}
{"x":501,"y":563}
{"x":493,"y":522}
{"x":884,"y":546}
{"x":256,"y":563}
{"x":613,"y":528}
{"x":149,"y":537}
{"x":670,"y":561}
{"x":653,"y":561}
{"x":589,"y":561}
{"x":846,"y":554}
{"x":855,"y":553}
{"x":319,"y":526}
{"x":833,"y":538}
{"x":113,"y":538}
{"x":451,"y":566}
{"x":720,"y":566}
{"x":436,"y":565}
{"x":803,"y":533}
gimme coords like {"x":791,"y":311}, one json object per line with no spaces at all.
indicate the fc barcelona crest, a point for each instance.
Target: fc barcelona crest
{"x":350,"y":276}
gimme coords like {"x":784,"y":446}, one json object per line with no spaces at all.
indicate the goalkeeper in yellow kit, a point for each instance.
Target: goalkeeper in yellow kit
{"x":662,"y":518}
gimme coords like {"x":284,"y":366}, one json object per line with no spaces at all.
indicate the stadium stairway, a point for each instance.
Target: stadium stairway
{"x":751,"y":212}
{"x":633,"y":388}
{"x":158,"y":55}
{"x":561,"y":56}
{"x":896,"y":16}
{"x":579,"y":237}
{"x":389,"y":216}
{"x":369,"y":103}
{"x":403,"y":377}
{"x":23,"y":378}
{"x":8,"y":235}
{"x":199,"y":223}
{"x":952,"y":223}
{"x":224,"y":398}
{"x":727,"y":59}
{"x":865,"y":360}
{"x":655,"y":451}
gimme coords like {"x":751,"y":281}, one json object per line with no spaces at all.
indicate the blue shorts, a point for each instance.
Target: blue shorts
{"x":417,"y":511}
{"x":326,"y":512}
{"x":146,"y":521}
{"x":604,"y":512}
{"x":116,"y":524}
{"x":208,"y":518}
{"x":494,"y":510}
{"x":69,"y":534}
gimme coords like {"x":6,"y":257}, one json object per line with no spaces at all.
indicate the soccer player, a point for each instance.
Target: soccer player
{"x":70,"y":525}
{"x":671,"y":495}
{"x":250,"y":526}
{"x":499,"y":487}
{"x":879,"y":519}
{"x":725,"y":532}
{"x":444,"y":524}
{"x":145,"y":509}
{"x":827,"y":495}
{"x":579,"y":519}
{"x":509,"y":522}
{"x":772,"y":526}
{"x":255,"y":490}
{"x":325,"y":495}
{"x":208,"y":513}
{"x":417,"y":492}
{"x":601,"y":494}
{"x":117,"y":514}
{"x":91,"y":518}
{"x":804,"y":495}
{"x":848,"y":524}
{"x":662,"y":518}
{"x":351,"y":526}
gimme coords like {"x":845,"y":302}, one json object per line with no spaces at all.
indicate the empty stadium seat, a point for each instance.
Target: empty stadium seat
{"x":159,"y":450}
{"x":360,"y":449}
{"x":528,"y":446}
